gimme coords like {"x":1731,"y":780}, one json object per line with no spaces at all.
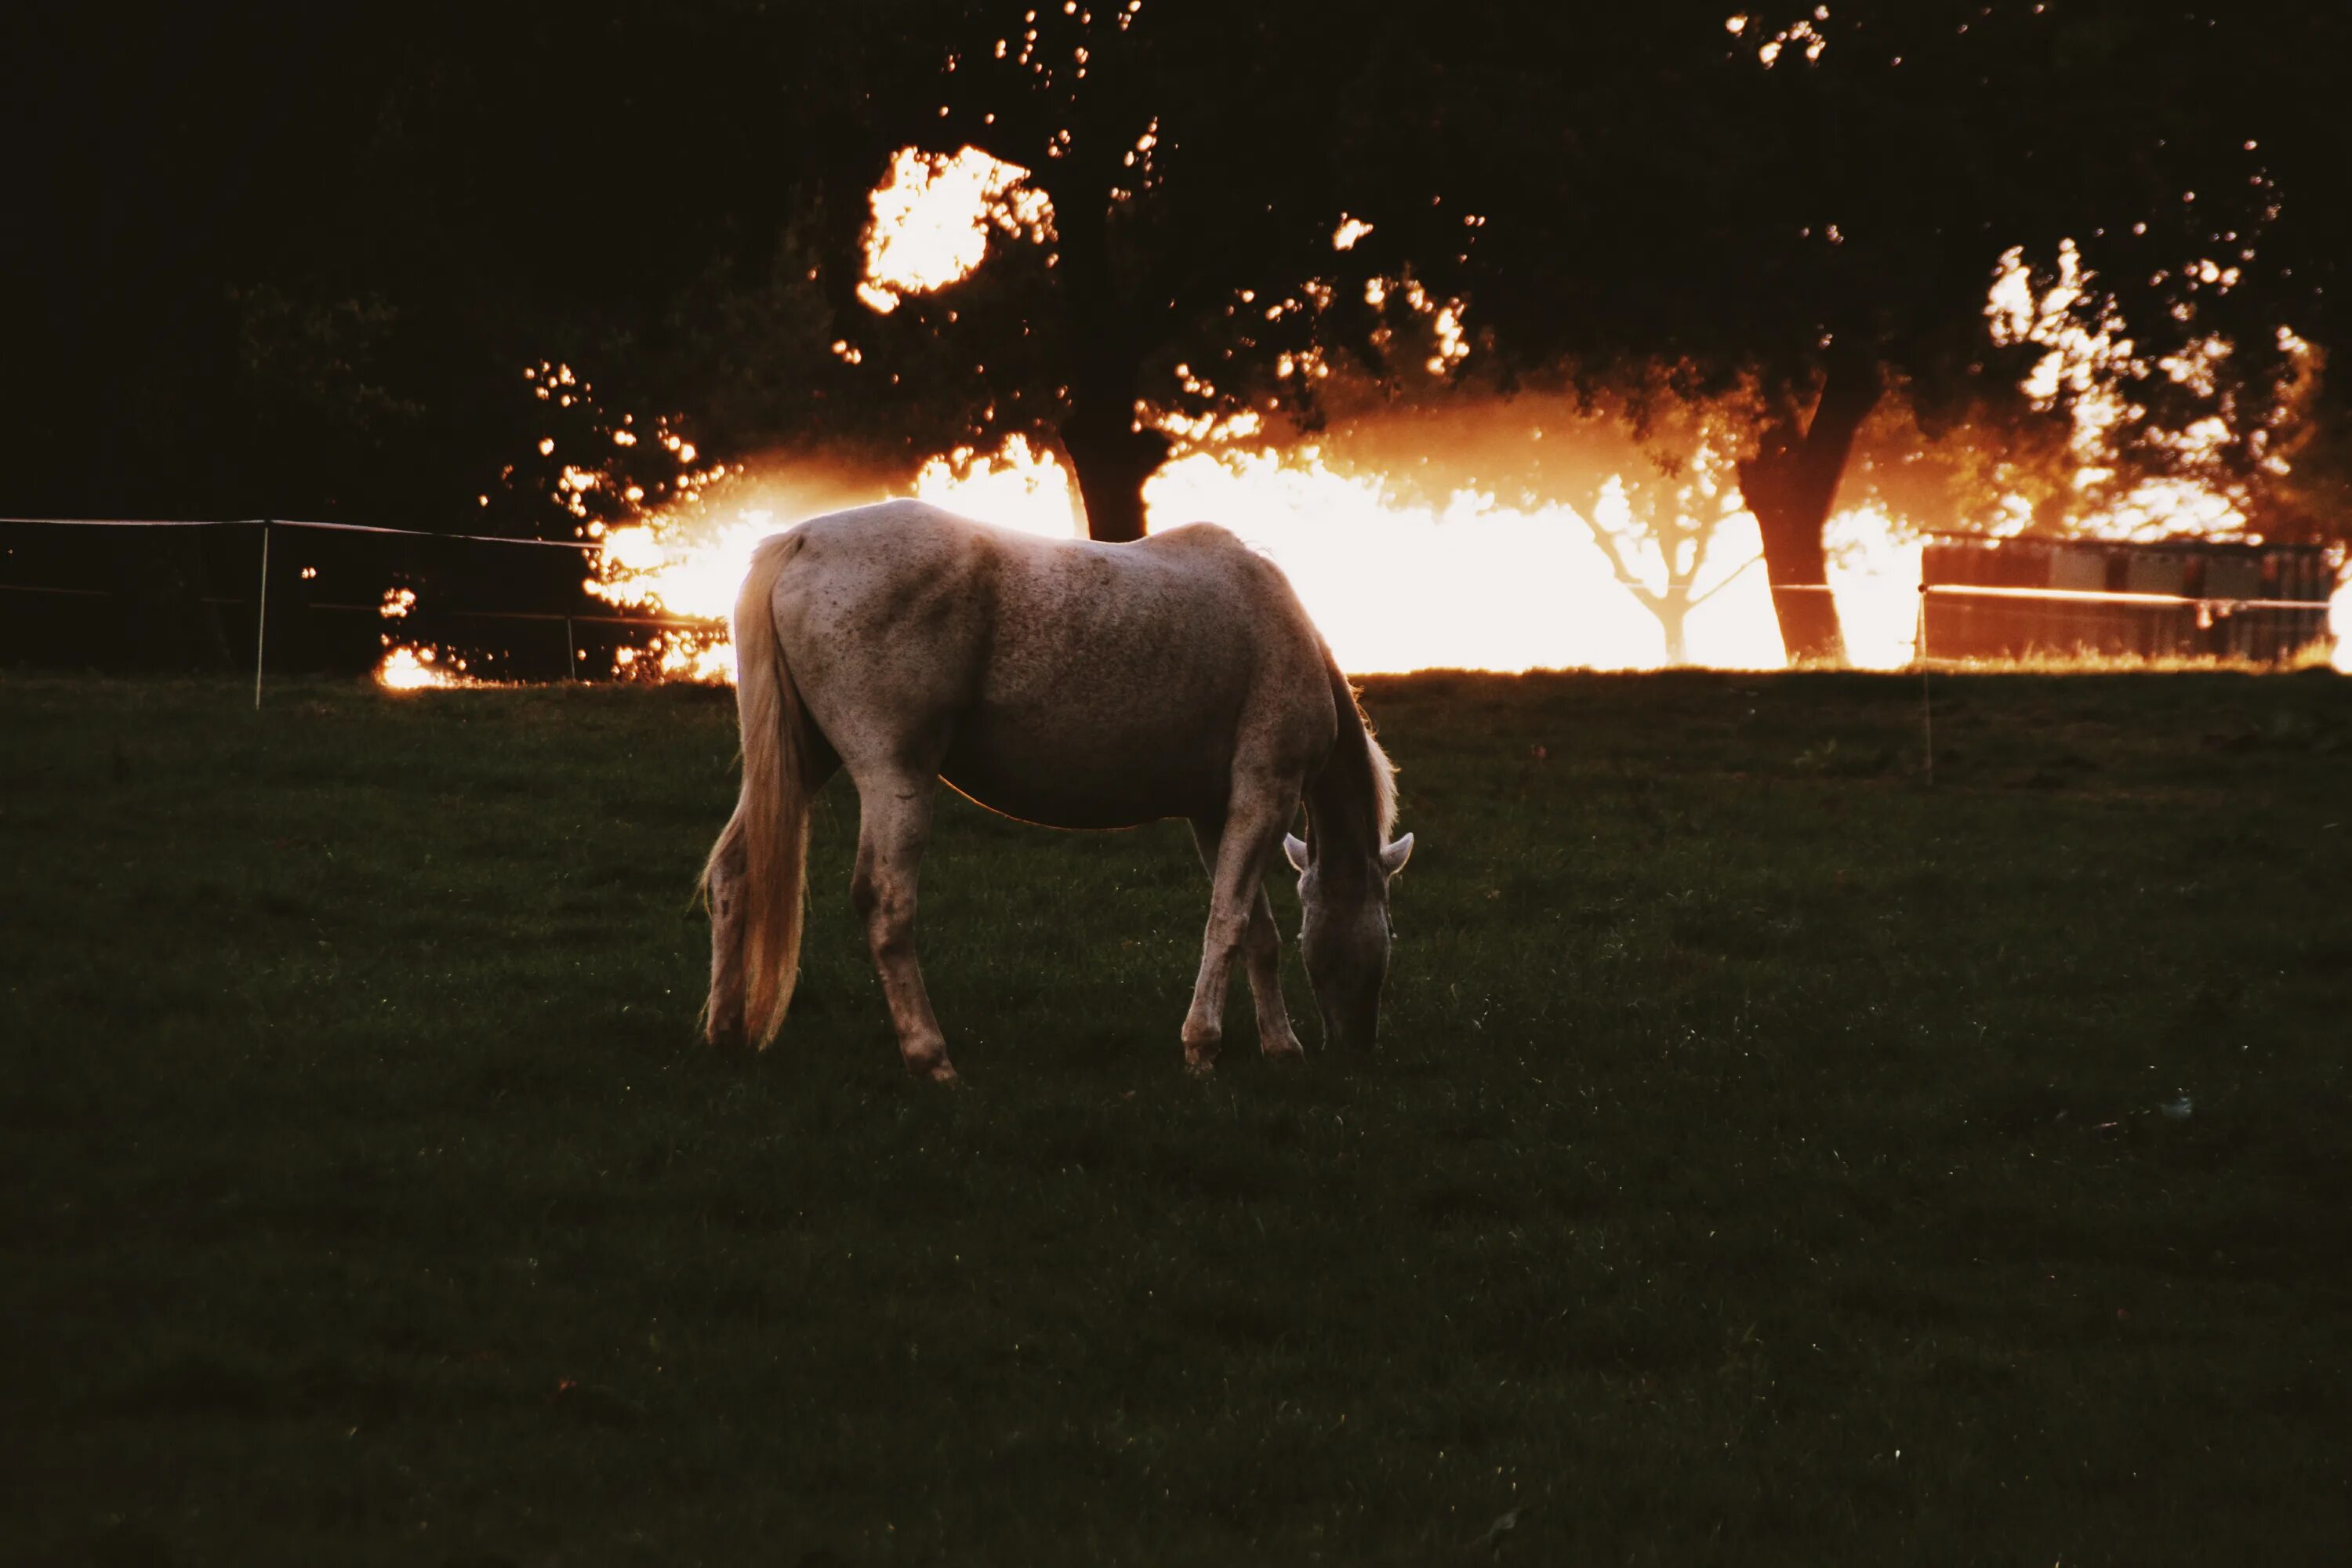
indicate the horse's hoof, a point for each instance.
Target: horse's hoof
{"x":1283,"y":1050}
{"x":939,"y":1071}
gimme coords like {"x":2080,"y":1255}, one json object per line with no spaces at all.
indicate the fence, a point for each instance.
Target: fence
{"x":1979,"y":615}
{"x":184,"y":588}
{"x":2013,"y":599}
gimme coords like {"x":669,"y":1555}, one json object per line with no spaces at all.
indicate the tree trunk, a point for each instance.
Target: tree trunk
{"x":1790,"y":484}
{"x":1111,"y":457}
{"x":1673,"y":619}
{"x":1112,"y":461}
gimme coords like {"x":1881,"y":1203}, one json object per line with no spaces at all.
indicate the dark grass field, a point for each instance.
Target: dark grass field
{"x":1763,"y":1163}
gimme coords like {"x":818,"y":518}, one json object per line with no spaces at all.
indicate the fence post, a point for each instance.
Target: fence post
{"x":261,"y":617}
{"x":1927,"y":702}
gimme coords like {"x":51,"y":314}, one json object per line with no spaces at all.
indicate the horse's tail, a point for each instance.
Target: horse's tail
{"x":767,"y":838}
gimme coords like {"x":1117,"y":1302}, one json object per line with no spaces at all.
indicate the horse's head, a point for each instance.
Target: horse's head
{"x":1345,"y":936}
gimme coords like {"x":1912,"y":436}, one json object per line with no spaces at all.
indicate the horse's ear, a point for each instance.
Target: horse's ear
{"x":1295,"y":848}
{"x":1393,"y":857}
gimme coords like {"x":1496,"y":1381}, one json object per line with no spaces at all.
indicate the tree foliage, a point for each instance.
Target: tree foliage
{"x":1816,"y":199}
{"x":295,"y":259}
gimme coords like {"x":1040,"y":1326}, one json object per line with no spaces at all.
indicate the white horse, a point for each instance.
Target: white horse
{"x":1067,"y":683}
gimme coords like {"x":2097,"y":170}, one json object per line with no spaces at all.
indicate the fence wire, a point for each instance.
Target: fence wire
{"x":261,"y":600}
{"x":2205,"y":604}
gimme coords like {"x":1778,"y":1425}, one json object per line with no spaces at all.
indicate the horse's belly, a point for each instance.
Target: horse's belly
{"x":1080,"y":786}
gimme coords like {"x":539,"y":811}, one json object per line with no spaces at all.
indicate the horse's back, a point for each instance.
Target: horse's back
{"x":1062,"y":680}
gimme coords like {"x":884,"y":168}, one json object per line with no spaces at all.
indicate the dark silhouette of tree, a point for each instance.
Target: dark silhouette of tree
{"x":298,"y":257}
{"x":1197,"y":161}
{"x":1814,"y":200}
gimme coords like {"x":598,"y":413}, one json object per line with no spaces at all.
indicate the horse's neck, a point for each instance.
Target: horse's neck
{"x":1342,"y":814}
{"x":1350,"y":798}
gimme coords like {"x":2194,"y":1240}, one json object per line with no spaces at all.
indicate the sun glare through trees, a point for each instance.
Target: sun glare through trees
{"x":1644,"y":553}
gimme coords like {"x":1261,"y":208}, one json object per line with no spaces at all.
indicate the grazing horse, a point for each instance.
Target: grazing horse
{"x":1064,"y":682}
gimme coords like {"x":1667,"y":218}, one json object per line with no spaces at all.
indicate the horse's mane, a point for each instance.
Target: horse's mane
{"x":1359,"y":769}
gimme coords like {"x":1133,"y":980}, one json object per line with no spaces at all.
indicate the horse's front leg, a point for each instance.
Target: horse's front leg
{"x":1254,"y":818}
{"x":1262,"y":952}
{"x":895,"y":823}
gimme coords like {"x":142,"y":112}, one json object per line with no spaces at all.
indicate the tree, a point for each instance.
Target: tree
{"x":1814,"y":200}
{"x":308,"y":275}
{"x":1195,"y":161}
{"x":1676,"y":492}
{"x":1644,"y":467}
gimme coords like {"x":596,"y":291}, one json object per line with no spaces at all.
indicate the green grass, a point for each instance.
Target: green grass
{"x":1762,"y":1164}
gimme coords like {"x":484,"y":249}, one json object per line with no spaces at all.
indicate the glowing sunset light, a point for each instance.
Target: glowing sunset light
{"x":1016,"y":487}
{"x":1874,"y":577}
{"x":1395,"y":586}
{"x":414,"y":669}
{"x":932,"y":216}
{"x":1470,"y":584}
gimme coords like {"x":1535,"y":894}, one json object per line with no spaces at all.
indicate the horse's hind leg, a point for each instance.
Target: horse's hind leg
{"x":724,"y":891}
{"x":895,"y":823}
{"x":1261,"y":953}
